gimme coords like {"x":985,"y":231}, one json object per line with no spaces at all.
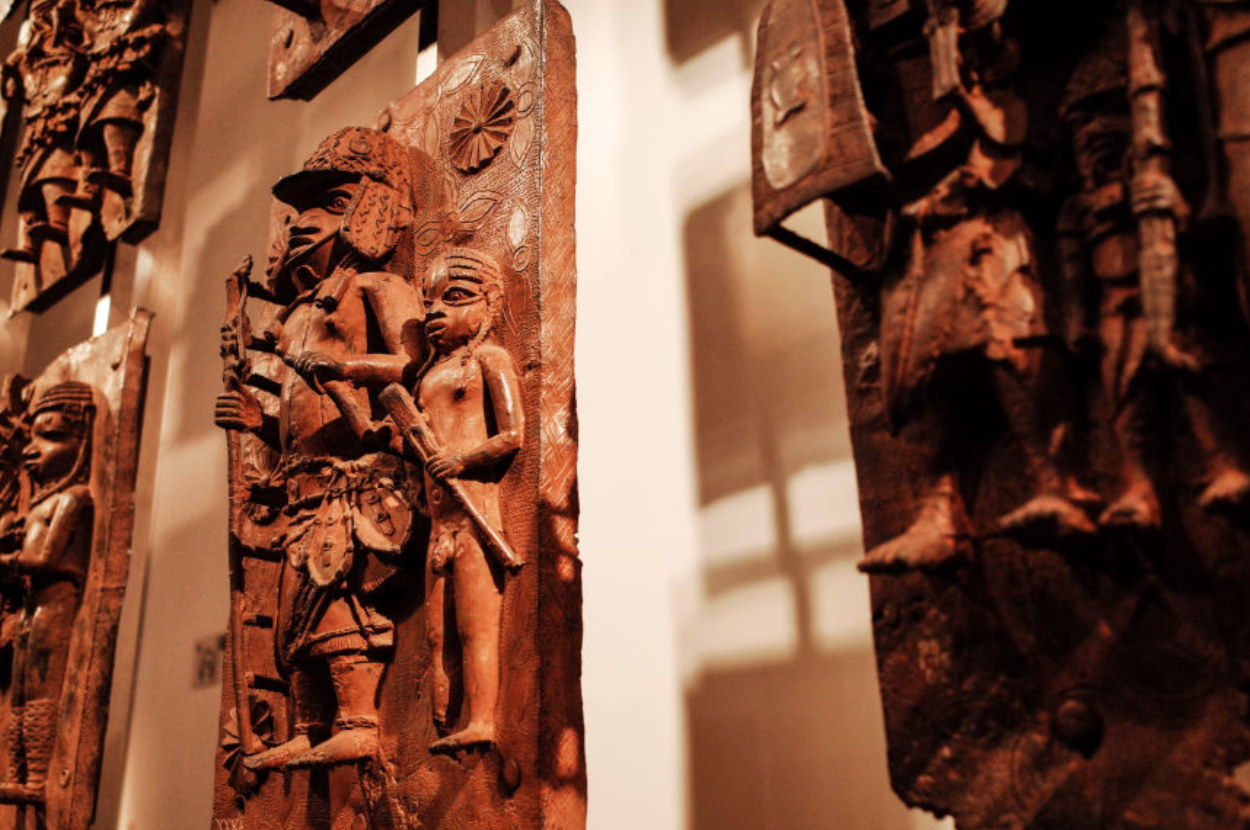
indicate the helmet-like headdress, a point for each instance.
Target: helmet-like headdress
{"x":383,"y":206}
{"x":72,"y":397}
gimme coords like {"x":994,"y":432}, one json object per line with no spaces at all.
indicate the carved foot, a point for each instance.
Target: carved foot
{"x":116,"y":182}
{"x":1080,"y":494}
{"x":1135,"y":510}
{"x":923,"y":547}
{"x":1228,"y":490}
{"x":47,"y":231}
{"x":279,"y":756}
{"x":1049,"y":513}
{"x":471,"y":736}
{"x":345,"y":747}
{"x":79,"y":201}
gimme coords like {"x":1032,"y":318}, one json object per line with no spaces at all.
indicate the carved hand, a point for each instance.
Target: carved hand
{"x":317,"y":368}
{"x":445,"y":466}
{"x":238,"y":410}
{"x":1156,"y":192}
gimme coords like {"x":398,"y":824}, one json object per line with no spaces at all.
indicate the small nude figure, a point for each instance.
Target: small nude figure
{"x":52,"y":559}
{"x":469,"y":401}
{"x":471,"y":396}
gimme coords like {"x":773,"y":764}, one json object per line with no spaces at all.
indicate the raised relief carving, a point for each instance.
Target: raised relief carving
{"x":314,"y":41}
{"x":482,"y":127}
{"x":400,"y":487}
{"x":64,"y":549}
{"x":1041,"y":292}
{"x":96,"y":82}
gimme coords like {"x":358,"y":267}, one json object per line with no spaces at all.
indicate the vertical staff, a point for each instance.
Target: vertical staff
{"x":235,"y":369}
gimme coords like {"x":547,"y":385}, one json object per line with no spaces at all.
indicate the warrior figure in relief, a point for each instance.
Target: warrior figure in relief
{"x":347,"y":516}
{"x":52,"y":543}
{"x":969,"y":282}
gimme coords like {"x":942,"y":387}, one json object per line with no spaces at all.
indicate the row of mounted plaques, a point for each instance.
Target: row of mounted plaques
{"x":404,"y":636}
{"x":1037,"y":218}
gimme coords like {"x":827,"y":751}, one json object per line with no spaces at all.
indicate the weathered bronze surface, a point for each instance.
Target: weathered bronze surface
{"x":96,"y":86}
{"x":314,"y":41}
{"x":1037,"y":215}
{"x":405,"y":636}
{"x":70,"y":442}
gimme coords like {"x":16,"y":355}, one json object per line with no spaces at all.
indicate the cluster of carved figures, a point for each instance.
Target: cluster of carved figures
{"x":356,"y":336}
{"x":45,"y":544}
{"x":1039,"y":224}
{"x":1031,"y":218}
{"x":84,"y":76}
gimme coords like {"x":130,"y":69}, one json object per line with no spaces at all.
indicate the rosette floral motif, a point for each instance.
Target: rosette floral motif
{"x":482,"y":127}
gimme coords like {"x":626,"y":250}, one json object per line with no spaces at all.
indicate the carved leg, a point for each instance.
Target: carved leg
{"x":436,"y":622}
{"x":355,"y":680}
{"x":1052,"y":507}
{"x":29,"y":250}
{"x":39,"y":728}
{"x":120,"y":138}
{"x":479,"y":603}
{"x":16,"y":755}
{"x":87,"y":195}
{"x":56,"y":225}
{"x":309,"y":722}
{"x":1137,"y":506}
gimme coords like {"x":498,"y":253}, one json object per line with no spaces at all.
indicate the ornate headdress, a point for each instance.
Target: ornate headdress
{"x":383,"y":206}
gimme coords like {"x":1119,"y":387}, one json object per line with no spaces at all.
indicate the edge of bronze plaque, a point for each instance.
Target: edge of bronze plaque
{"x":306,"y":57}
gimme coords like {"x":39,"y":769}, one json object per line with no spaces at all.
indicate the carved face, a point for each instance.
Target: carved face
{"x":1101,"y":147}
{"x":312,"y":234}
{"x":55,"y":442}
{"x":456,"y":308}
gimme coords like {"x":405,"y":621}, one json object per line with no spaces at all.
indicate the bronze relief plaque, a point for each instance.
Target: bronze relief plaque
{"x":1042,"y":301}
{"x":67,"y":477}
{"x":314,"y":41}
{"x":405,"y":634}
{"x":94,"y":85}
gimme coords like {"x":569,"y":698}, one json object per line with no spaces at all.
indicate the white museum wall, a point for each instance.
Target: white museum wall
{"x":729,"y":679}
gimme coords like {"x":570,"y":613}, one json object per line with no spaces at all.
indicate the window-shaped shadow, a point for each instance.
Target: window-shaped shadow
{"x":784,"y":720}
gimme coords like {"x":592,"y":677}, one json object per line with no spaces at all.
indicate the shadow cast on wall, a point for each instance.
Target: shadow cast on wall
{"x":691,"y":26}
{"x":783,"y":717}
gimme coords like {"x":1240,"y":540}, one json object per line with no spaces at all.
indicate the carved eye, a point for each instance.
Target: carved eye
{"x":457,"y":295}
{"x":339,"y":201}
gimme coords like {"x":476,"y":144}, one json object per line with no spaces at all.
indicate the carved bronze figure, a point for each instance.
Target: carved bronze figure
{"x":400,"y":489}
{"x":96,"y":82}
{"x":1041,"y":338}
{"x":64,"y":551}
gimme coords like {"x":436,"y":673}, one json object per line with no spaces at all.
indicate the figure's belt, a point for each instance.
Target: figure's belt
{"x":309,"y":481}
